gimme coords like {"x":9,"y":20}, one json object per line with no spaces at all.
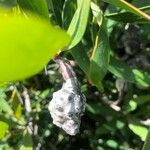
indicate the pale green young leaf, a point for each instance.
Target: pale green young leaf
{"x":3,"y":129}
{"x":141,"y":131}
{"x":26,"y":46}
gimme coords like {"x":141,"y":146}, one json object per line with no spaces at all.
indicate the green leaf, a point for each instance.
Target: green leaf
{"x":134,"y":103}
{"x":100,"y":55}
{"x":146,"y":145}
{"x":112,"y":143}
{"x":26,"y":143}
{"x":123,"y":71}
{"x":99,"y":59}
{"x":8,"y":3}
{"x":97,"y":13}
{"x":80,"y":55}
{"x":139,"y":130}
{"x":99,"y":109}
{"x":55,"y":9}
{"x":3,"y":129}
{"x":129,"y":7}
{"x":142,"y":99}
{"x":78,"y":24}
{"x":4,"y":106}
{"x":36,"y":6}
{"x":68,"y":11}
{"x":16,"y":105}
{"x":26,"y":46}
{"x":127,"y":17}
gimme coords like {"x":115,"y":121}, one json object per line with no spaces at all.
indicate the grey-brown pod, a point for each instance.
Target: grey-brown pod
{"x":67,"y":106}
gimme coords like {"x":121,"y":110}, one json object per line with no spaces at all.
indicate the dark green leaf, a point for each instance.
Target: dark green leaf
{"x":80,"y":55}
{"x":142,"y":99}
{"x":99,"y":109}
{"x":99,"y":58}
{"x":55,"y":7}
{"x":127,"y":17}
{"x":123,"y":71}
{"x":69,"y":9}
{"x":26,"y":143}
{"x":38,"y":7}
{"x":129,"y":7}
{"x":147,"y":142}
{"x":8,"y":3}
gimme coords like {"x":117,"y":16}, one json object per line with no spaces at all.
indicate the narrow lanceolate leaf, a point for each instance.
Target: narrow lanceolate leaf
{"x":69,"y":8}
{"x":79,"y":22}
{"x":146,"y":145}
{"x":127,"y":6}
{"x":16,"y":105}
{"x":100,"y":55}
{"x":38,"y":7}
{"x":128,"y":17}
{"x":99,"y":59}
{"x":26,"y":46}
{"x":123,"y":71}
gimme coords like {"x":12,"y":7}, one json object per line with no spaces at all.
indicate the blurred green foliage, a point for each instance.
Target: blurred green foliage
{"x":110,"y":50}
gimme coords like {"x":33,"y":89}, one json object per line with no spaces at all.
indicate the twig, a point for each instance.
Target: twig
{"x":28,"y":110}
{"x":67,"y":71}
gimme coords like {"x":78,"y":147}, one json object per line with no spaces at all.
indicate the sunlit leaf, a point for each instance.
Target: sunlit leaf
{"x":26,"y":46}
{"x":79,"y":22}
{"x":111,"y":143}
{"x":99,"y":59}
{"x":3,"y":128}
{"x":97,"y":13}
{"x":16,"y":105}
{"x":4,"y":106}
{"x":139,"y":130}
